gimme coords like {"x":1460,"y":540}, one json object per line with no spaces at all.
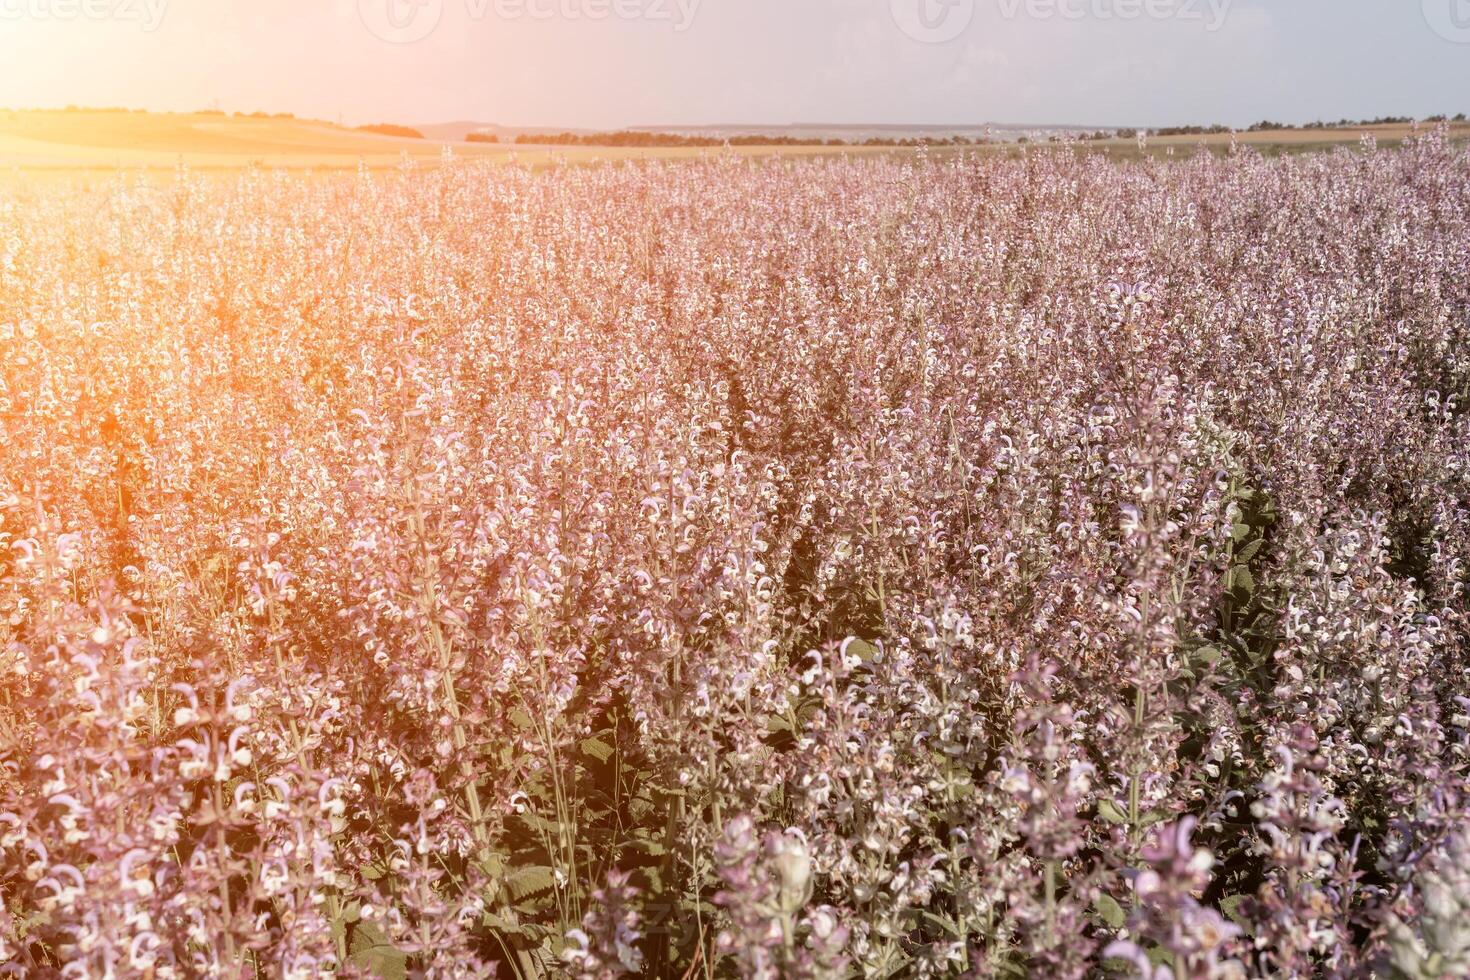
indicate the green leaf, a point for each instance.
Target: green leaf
{"x":1230,"y":906}
{"x":493,"y":864}
{"x":535,"y":932}
{"x":538,"y":824}
{"x":371,"y":951}
{"x":1249,"y":551}
{"x":1241,"y":532}
{"x":501,"y":924}
{"x":649,"y":846}
{"x":1111,"y":812}
{"x":942,"y":921}
{"x":807,"y":710}
{"x":1112,"y":913}
{"x":597,"y":749}
{"x":1240,"y":580}
{"x":525,"y":883}
{"x":651,"y":880}
{"x":1159,"y":956}
{"x":693,"y":907}
{"x":777,"y":723}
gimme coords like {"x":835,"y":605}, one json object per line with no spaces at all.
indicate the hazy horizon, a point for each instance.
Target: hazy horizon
{"x":605,"y":64}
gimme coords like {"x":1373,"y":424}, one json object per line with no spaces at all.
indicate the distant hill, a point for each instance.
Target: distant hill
{"x":103,"y":139}
{"x":859,"y":132}
{"x":803,"y":132}
{"x":460,"y":129}
{"x":98,"y":138}
{"x":392,"y":129}
{"x":454,"y":131}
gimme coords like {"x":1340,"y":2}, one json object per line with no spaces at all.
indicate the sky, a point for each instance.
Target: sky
{"x":615,"y":63}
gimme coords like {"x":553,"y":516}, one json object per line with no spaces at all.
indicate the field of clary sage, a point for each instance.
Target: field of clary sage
{"x":889,"y":567}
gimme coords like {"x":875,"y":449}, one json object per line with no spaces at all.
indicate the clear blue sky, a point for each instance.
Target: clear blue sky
{"x":747,"y":61}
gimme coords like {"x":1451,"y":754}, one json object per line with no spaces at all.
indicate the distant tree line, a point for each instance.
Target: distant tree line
{"x":1380,"y":121}
{"x":642,"y":138}
{"x":1266,"y":125}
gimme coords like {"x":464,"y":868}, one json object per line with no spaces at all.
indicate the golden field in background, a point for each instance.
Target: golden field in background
{"x":41,"y":140}
{"x":98,"y":139}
